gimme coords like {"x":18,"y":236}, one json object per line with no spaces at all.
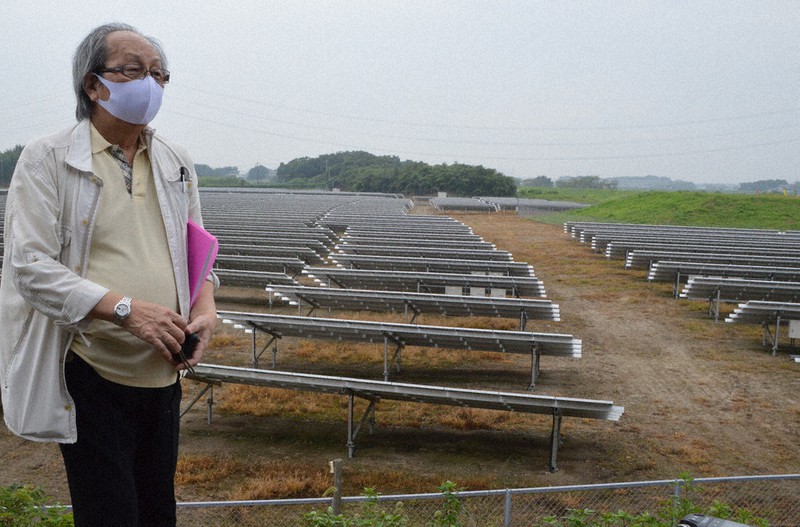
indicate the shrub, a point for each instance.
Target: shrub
{"x":370,"y":515}
{"x":24,"y":505}
{"x":667,"y":515}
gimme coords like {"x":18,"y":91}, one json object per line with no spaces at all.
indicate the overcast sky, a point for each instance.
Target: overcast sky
{"x":697,"y":90}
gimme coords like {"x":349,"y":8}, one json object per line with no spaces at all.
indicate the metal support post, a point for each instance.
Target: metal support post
{"x":777,"y":331}
{"x":767,"y":334}
{"x":555,"y":439}
{"x":385,"y":358}
{"x":716,"y":305}
{"x":536,"y":355}
{"x":398,"y":356}
{"x":210,"y":402}
{"x":352,"y":428}
{"x":206,"y":388}
{"x":351,"y":439}
{"x":257,"y":354}
{"x":395,"y":357}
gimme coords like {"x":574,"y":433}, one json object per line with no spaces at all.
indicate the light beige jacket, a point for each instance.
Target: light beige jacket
{"x":51,"y":210}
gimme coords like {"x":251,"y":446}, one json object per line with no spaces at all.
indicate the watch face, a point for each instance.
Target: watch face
{"x":122,"y":310}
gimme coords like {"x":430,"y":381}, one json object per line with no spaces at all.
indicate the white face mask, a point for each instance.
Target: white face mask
{"x":135,"y":102}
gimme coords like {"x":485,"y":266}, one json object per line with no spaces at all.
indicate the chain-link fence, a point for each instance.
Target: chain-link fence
{"x":775,"y":499}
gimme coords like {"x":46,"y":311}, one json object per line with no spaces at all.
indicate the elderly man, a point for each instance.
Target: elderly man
{"x":94,"y":299}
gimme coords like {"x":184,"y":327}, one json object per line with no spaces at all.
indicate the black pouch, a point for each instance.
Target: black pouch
{"x":187,"y":351}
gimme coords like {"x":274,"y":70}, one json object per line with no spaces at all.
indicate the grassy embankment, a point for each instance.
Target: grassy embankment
{"x":765,"y":211}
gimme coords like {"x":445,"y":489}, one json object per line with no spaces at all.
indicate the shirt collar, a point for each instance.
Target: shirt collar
{"x":99,"y":143}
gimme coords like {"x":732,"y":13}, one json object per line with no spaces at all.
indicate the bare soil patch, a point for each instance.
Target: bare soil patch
{"x":699,"y":396}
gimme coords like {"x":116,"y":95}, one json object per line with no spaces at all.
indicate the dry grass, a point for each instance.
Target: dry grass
{"x":475,"y":419}
{"x":693,"y":451}
{"x":252,"y":480}
{"x":251,"y":400}
{"x":338,"y":352}
{"x":281,"y":480}
{"x":206,"y":471}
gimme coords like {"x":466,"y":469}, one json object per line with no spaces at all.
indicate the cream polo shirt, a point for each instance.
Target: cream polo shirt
{"x":129,"y":255}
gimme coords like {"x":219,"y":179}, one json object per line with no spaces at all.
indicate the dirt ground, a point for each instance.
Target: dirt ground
{"x":700,"y":396}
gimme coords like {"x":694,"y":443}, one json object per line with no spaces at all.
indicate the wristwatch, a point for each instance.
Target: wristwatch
{"x":122,"y":310}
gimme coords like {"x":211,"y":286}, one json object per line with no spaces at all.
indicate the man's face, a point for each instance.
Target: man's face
{"x":124,"y":47}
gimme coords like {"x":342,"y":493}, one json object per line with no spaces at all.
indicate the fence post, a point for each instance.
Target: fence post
{"x":336,"y":470}
{"x":507,"y":521}
{"x":676,"y":497}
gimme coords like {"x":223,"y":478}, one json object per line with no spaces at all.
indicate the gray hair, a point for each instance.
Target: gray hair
{"x":91,"y":55}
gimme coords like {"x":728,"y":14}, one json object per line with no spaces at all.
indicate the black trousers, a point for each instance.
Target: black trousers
{"x":121,"y":471}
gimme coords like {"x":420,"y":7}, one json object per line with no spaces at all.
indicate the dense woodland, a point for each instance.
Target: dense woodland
{"x":365,"y":172}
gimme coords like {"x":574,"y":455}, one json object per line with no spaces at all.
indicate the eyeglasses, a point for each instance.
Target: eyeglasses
{"x":137,"y":71}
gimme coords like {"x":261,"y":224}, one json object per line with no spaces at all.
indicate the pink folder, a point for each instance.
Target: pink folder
{"x":201,"y":247}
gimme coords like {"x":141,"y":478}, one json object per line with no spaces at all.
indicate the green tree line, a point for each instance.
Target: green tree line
{"x":365,"y":172}
{"x":207,"y":171}
{"x":8,"y":160}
